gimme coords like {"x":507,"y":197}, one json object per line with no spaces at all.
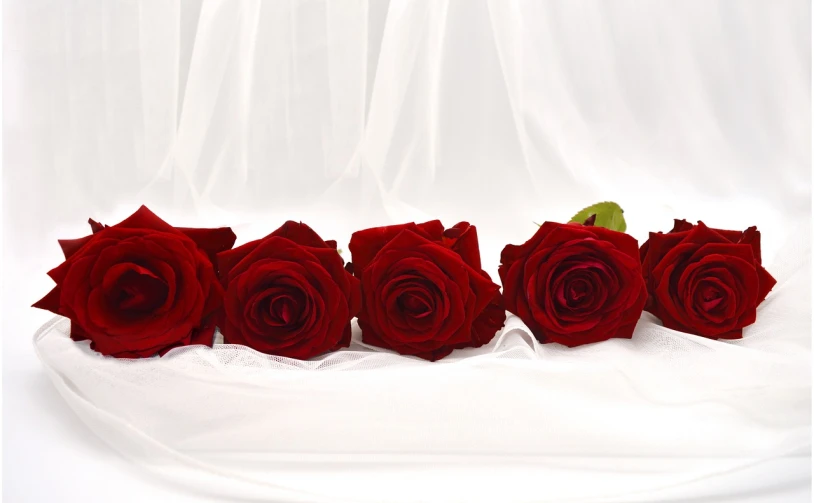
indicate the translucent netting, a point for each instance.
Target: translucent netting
{"x":585,"y":422}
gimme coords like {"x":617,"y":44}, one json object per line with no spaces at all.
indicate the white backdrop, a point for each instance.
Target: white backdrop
{"x":353,"y":113}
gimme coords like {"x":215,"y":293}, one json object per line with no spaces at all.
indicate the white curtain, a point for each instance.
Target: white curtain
{"x":351,"y":113}
{"x":403,"y":109}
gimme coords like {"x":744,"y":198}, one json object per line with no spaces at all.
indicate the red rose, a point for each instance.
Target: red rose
{"x":574,"y":284}
{"x":140,"y":287}
{"x":288,"y":294}
{"x":705,"y":281}
{"x":424,"y":292}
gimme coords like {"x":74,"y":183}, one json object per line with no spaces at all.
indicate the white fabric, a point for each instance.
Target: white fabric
{"x":355,"y":113}
{"x":681,"y":406}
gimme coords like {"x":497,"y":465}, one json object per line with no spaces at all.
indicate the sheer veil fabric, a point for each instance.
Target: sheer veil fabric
{"x":680,"y":407}
{"x":351,"y":114}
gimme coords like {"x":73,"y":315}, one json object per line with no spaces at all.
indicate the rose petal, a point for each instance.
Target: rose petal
{"x":50,"y":302}
{"x":143,"y":218}
{"x":211,"y":241}
{"x":767,"y":282}
{"x":71,"y":246}
{"x":225,"y":261}
{"x":365,"y":244}
{"x":462,"y":238}
{"x":96,"y":226}
{"x":301,"y":234}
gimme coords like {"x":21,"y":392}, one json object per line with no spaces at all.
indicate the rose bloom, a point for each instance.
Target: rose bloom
{"x":574,"y":284}
{"x":288,"y":294}
{"x":140,"y":287}
{"x":705,"y":281}
{"x":424,"y":292}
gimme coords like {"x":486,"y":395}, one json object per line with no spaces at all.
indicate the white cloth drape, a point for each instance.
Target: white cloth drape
{"x":511,"y":421}
{"x":405,"y":109}
{"x":351,"y":113}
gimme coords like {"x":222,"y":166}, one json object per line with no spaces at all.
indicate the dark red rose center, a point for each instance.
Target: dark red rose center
{"x":578,"y":291}
{"x":280,"y":307}
{"x":709,"y":296}
{"x":138,"y":290}
{"x":415,"y":305}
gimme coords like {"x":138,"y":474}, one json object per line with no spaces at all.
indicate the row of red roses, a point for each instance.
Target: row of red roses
{"x":143,"y":287}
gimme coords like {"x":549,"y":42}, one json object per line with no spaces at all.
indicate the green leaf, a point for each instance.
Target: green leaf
{"x":608,"y":215}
